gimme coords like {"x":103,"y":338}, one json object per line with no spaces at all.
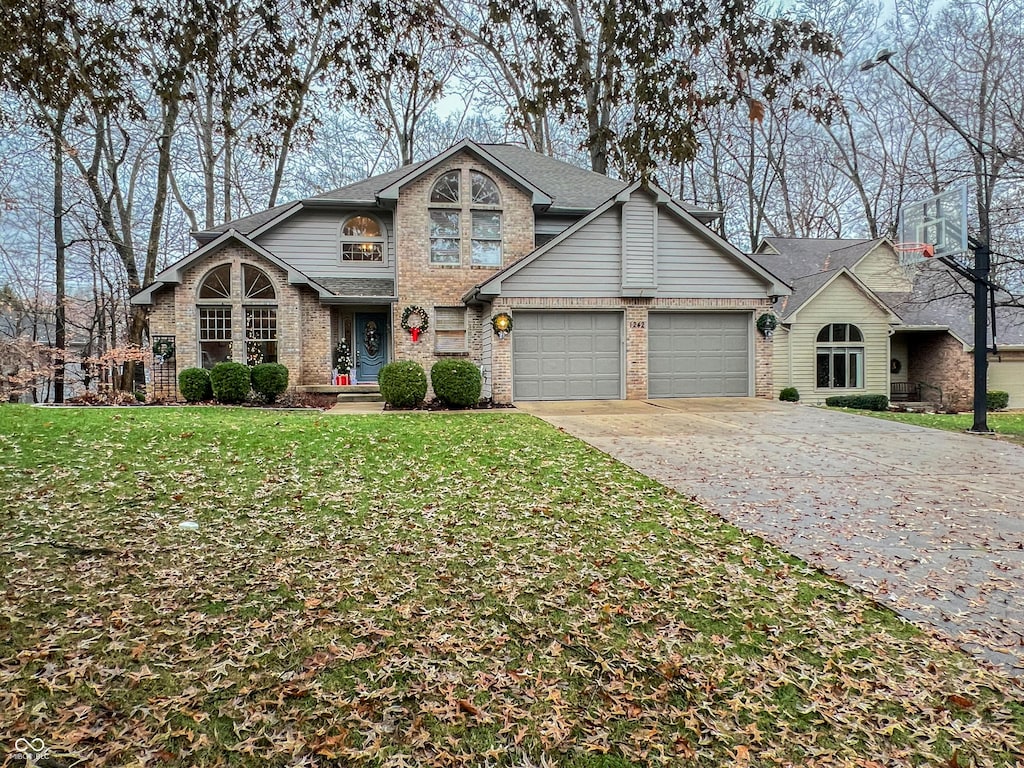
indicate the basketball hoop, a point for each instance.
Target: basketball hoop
{"x":911,"y":252}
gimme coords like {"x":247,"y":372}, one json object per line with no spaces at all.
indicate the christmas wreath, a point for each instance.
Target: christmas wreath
{"x":767,"y":323}
{"x":164,"y":349}
{"x":502,"y":324}
{"x":424,"y":319}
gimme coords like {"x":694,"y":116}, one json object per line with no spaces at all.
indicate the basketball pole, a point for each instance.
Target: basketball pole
{"x":982,"y":272}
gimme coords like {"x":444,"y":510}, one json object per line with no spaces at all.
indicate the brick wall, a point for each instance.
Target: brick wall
{"x":635,"y":311}
{"x":422,"y":284}
{"x":940,"y":360}
{"x":303,"y":325}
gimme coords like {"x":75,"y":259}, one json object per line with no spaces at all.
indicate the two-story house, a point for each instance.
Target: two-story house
{"x":614,"y":290}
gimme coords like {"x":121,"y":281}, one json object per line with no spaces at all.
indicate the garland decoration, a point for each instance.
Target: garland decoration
{"x":767,"y":323}
{"x":502,"y":324}
{"x":420,"y":326}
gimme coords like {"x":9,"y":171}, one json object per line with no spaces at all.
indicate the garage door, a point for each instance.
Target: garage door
{"x":698,"y":354}
{"x":567,"y":356}
{"x":1008,"y":376}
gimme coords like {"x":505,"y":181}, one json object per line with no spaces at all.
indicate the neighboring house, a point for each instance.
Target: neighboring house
{"x":615,"y":290}
{"x":859,"y":321}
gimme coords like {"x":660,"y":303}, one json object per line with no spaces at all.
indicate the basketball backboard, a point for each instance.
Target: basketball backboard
{"x":939,"y":221}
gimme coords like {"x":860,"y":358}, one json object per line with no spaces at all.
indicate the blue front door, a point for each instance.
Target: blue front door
{"x":371,"y":346}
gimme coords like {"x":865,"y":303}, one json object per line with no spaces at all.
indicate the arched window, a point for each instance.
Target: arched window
{"x":483,"y":190}
{"x":446,"y":188}
{"x":218,"y":306}
{"x":362,"y":239}
{"x":485,"y":245}
{"x":450,"y":208}
{"x":840,"y":357}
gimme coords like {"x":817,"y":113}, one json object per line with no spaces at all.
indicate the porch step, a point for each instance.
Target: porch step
{"x":913,"y":406}
{"x":360,"y":397}
{"x":331,"y":389}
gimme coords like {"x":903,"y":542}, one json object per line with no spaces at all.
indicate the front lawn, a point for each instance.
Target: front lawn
{"x":1007,"y":425}
{"x":431,"y":590}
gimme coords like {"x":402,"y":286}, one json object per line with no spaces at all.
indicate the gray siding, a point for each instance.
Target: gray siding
{"x":639,"y":241}
{"x":689,"y":266}
{"x":549,"y":226}
{"x":587,"y":263}
{"x":636,"y":246}
{"x":309,"y":241}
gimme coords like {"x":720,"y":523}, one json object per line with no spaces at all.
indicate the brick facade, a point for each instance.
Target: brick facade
{"x":940,"y":360}
{"x":426,"y":285}
{"x":303,"y":324}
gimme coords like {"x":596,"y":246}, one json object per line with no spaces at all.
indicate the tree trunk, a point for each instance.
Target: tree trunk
{"x":59,"y":246}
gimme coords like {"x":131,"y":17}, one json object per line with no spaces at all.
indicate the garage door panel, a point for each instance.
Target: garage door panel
{"x":698,"y":354}
{"x":567,"y":355}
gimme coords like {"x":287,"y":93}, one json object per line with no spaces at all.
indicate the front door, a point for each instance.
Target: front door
{"x":371,"y":344}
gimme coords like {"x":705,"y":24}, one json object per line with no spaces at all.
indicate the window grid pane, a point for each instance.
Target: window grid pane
{"x":261,"y":324}
{"x":214,"y":324}
{"x":362,"y":252}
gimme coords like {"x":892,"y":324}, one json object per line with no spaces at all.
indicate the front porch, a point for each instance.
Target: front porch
{"x":928,"y":368}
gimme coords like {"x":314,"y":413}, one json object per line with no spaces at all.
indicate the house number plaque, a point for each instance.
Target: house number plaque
{"x":637,"y":323}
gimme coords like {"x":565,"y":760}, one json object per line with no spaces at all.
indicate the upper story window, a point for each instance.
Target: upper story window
{"x":217,"y":284}
{"x":446,"y":188}
{"x":840,"y":357}
{"x":362,"y":239}
{"x":483,"y":190}
{"x":465,"y":228}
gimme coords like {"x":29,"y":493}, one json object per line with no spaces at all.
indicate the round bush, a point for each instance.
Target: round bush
{"x":789,"y":395}
{"x":997,"y":400}
{"x":403,"y":384}
{"x":194,"y":384}
{"x":230,"y":382}
{"x":456,"y":383}
{"x":269,"y":380}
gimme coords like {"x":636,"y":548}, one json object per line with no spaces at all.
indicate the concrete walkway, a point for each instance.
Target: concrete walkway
{"x":930,"y":523}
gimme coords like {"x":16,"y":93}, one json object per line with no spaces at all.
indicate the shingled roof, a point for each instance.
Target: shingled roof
{"x":571,"y":189}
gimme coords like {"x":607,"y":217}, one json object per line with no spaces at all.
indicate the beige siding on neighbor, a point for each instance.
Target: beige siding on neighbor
{"x":310,"y":242}
{"x":1008,"y":376}
{"x":780,"y":359}
{"x":840,"y":302}
{"x":880,"y":270}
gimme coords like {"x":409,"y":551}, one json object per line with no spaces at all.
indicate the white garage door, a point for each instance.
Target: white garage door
{"x":1008,"y":376}
{"x":567,"y":356}
{"x":698,"y":354}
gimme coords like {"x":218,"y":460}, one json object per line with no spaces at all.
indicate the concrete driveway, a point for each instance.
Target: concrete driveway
{"x":930,"y":523}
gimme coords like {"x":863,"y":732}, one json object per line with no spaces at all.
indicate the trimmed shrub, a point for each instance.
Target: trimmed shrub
{"x":269,"y":380}
{"x":230,"y":382}
{"x":403,"y":384}
{"x":194,"y":384}
{"x":860,"y":402}
{"x":789,"y":395}
{"x":457,"y":383}
{"x":996,"y":400}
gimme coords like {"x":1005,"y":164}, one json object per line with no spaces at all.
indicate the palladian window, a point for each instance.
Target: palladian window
{"x":840,"y":357}
{"x":222,"y":311}
{"x":479,"y":211}
{"x":362,"y":239}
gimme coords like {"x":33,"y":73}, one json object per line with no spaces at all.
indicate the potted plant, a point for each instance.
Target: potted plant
{"x":342,"y":363}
